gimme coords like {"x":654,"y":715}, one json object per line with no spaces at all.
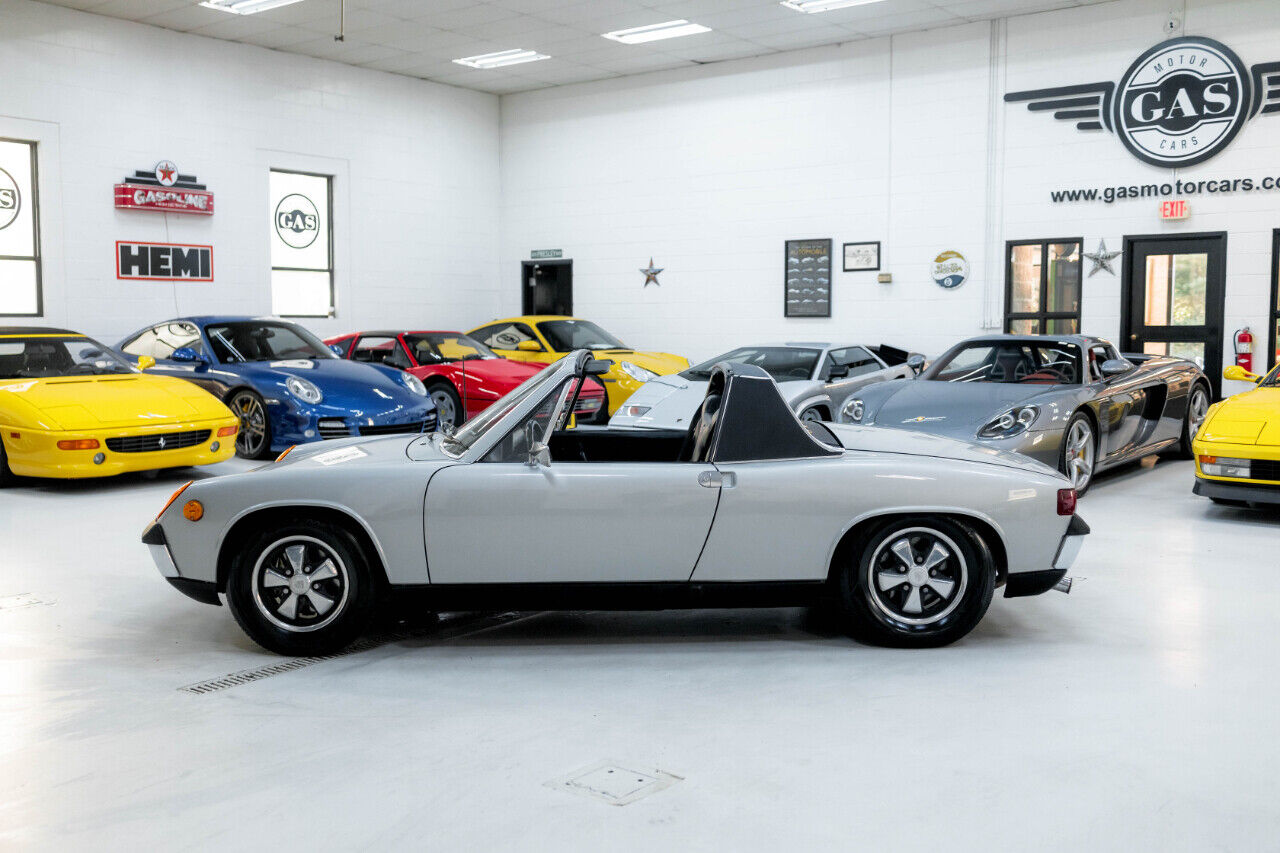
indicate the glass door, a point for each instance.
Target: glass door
{"x":1174,"y":295}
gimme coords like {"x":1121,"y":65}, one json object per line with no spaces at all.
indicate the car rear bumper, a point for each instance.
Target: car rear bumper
{"x":1042,"y":580}
{"x":1246,"y":491}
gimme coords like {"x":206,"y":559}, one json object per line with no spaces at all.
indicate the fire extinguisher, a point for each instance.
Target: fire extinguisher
{"x":1244,"y":348}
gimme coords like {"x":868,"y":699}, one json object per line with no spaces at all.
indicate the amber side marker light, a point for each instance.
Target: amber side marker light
{"x":226,"y":431}
{"x":193,"y":510}
{"x":173,"y":498}
{"x":287,"y":451}
{"x":78,"y":444}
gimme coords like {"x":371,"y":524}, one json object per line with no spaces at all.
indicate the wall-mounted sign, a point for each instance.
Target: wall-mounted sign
{"x":1102,"y":258}
{"x":163,"y":262}
{"x":651,"y":274}
{"x":165,"y":190}
{"x":10,"y":199}
{"x":862,"y":256}
{"x":808,"y":279}
{"x":1180,"y":102}
{"x":1175,"y":209}
{"x":548,"y":254}
{"x":950,"y":270}
{"x":297,"y":220}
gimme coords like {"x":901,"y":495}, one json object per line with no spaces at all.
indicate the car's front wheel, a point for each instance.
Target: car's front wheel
{"x":301,"y":588}
{"x":253,"y":441}
{"x":917,"y":583}
{"x":1197,"y":411}
{"x":449,"y":411}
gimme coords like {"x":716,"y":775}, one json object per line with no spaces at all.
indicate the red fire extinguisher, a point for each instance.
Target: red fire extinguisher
{"x":1244,"y":348}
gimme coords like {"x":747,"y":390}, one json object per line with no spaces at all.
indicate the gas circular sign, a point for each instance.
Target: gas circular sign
{"x":297,"y":221}
{"x":10,"y":199}
{"x":949,"y":270}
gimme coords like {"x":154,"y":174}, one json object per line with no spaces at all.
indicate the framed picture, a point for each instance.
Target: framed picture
{"x":861,"y":256}
{"x":807,"y":283}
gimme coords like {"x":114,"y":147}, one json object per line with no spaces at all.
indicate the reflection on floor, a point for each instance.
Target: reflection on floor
{"x":1138,"y":712}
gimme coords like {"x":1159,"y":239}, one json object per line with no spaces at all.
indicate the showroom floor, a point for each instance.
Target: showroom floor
{"x":1138,"y":712}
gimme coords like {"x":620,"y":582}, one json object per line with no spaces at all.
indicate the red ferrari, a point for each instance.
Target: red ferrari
{"x":462,"y":375}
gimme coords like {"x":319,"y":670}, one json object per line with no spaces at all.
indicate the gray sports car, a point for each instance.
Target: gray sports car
{"x":908,"y":535}
{"x":1072,"y":402}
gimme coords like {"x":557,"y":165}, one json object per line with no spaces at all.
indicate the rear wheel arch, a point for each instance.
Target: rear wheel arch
{"x":275,"y":516}
{"x":857,"y":536}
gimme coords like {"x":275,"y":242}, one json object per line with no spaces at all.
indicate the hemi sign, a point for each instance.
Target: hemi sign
{"x":163,"y":262}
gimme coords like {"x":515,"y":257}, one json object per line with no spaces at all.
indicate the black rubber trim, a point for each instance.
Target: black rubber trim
{"x":1032,"y":583}
{"x":205,"y":592}
{"x":154,"y":535}
{"x":675,"y":595}
{"x":1250,"y":492}
{"x":1077,"y":527}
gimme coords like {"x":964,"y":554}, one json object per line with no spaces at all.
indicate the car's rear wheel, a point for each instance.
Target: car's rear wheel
{"x":253,"y":441}
{"x":449,"y":410}
{"x":301,"y":588}
{"x":1079,"y":455}
{"x":916,"y":583}
{"x":1197,"y":410}
{"x":815,"y":414}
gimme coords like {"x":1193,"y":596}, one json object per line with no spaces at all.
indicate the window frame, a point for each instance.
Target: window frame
{"x":1273,"y":312}
{"x":333,"y":295}
{"x":1041,"y":316}
{"x":37,"y":257}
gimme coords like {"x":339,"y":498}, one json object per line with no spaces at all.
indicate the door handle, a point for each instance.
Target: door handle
{"x":1133,"y":337}
{"x":715,"y":480}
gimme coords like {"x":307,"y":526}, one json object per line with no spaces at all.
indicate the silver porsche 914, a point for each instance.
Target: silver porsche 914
{"x":909,"y":535}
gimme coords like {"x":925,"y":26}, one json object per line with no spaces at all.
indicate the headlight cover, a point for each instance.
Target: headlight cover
{"x":1222,"y":466}
{"x":852,"y":411}
{"x":414,"y":384}
{"x":305,"y":391}
{"x":1013,"y":422}
{"x":636,"y":372}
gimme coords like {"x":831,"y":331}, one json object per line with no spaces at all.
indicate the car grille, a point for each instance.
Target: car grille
{"x":393,"y":429}
{"x":1264,"y":469}
{"x":333,"y":428}
{"x":157,"y":441}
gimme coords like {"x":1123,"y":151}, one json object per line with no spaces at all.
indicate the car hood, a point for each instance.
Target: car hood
{"x":499,"y":369}
{"x":351,"y":381}
{"x":881,"y":440}
{"x":1249,"y":418}
{"x":114,"y":401}
{"x":949,"y":407}
{"x":359,"y":452}
{"x":661,"y":363}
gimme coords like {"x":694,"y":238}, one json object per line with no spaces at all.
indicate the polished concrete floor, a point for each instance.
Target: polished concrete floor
{"x":1137,"y":713}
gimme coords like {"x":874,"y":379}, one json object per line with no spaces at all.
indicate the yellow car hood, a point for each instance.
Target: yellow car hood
{"x":1249,"y":418}
{"x":661,"y":363}
{"x":94,"y":402}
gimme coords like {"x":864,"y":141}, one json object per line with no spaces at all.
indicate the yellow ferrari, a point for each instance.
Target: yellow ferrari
{"x":69,"y":407}
{"x":1237,"y":449}
{"x":543,"y":338}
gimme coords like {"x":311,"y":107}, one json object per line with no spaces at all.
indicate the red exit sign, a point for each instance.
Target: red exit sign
{"x":1178,"y":209}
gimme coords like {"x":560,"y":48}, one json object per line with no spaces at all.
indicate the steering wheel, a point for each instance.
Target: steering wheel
{"x":1021,"y":371}
{"x":698,"y":441}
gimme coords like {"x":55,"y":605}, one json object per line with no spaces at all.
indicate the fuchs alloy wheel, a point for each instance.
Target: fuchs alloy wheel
{"x":253,"y":441}
{"x":302,"y":588}
{"x":1197,"y":410}
{"x":1079,"y":453}
{"x":449,"y":411}
{"x":813,"y":413}
{"x":917,"y":583}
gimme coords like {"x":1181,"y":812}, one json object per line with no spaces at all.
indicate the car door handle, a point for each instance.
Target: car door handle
{"x":715,"y":480}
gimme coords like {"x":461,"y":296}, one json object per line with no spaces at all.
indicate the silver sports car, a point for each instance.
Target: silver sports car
{"x":908,"y":534}
{"x":814,"y":378}
{"x":1071,"y":402}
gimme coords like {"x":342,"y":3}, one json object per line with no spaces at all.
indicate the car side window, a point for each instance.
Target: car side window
{"x":377,"y":350}
{"x":397,"y":357}
{"x":504,"y":335}
{"x":160,"y":341}
{"x":857,"y":359}
{"x":1098,"y":353}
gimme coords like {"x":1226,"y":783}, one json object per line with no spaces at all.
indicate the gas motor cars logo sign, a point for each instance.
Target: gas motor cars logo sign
{"x":297,"y":221}
{"x":10,"y":199}
{"x":1180,"y":102}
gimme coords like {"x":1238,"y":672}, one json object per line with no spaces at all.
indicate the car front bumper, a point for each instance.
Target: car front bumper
{"x":1042,"y":580}
{"x":35,"y":453}
{"x":290,"y":425}
{"x":205,"y":592}
{"x":1237,"y":490}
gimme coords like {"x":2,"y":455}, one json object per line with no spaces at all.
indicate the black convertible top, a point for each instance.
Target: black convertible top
{"x":754,"y":422}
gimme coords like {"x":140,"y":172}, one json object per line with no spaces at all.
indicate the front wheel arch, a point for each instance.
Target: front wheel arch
{"x":854,"y":538}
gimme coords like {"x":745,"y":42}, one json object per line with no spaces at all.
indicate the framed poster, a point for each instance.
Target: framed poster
{"x":862,"y":256}
{"x":807,"y":291}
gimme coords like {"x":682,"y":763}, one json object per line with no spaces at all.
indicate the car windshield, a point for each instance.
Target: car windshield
{"x":476,"y":428}
{"x":1272,"y":379}
{"x":568,"y":335}
{"x":437,"y":347}
{"x":1030,"y":362}
{"x":782,"y":363}
{"x":254,"y":340}
{"x":40,"y":356}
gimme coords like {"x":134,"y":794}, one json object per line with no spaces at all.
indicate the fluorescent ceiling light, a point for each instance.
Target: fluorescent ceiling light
{"x":501,"y":58}
{"x":654,"y":32}
{"x":811,"y":6}
{"x":245,"y":7}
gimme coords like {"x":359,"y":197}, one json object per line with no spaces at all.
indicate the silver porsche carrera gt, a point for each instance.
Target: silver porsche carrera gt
{"x":908,"y":534}
{"x":1072,"y":402}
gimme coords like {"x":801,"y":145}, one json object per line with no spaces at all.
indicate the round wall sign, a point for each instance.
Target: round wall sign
{"x":10,"y":199}
{"x":950,"y":270}
{"x":297,"y":221}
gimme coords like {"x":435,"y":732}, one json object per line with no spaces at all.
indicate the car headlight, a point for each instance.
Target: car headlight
{"x":852,"y":411}
{"x":1010,"y":423}
{"x":305,"y":391}
{"x":636,"y":372}
{"x":414,"y":384}
{"x":1222,"y":466}
{"x":634,"y":411}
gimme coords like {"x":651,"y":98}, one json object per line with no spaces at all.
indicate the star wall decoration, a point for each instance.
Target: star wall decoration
{"x":1102,"y":258}
{"x":651,"y":274}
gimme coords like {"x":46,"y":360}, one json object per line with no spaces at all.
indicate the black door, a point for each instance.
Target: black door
{"x":1173,"y":298}
{"x":547,"y":287}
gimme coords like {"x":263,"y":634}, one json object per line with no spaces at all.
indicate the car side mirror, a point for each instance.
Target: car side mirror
{"x":539,"y":453}
{"x":838,"y":371}
{"x":1115,"y":367}
{"x":916,"y":363}
{"x":185,"y":354}
{"x":337,"y":350}
{"x":598,"y":366}
{"x":529,"y":346}
{"x":145,"y":361}
{"x":1236,"y":373}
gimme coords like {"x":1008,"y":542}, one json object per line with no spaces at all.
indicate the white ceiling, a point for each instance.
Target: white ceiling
{"x":420,"y":38}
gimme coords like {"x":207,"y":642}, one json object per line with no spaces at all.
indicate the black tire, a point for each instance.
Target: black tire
{"x":7,"y":477}
{"x":1067,"y":460}
{"x":815,"y":413}
{"x":1193,"y":414}
{"x":880,"y":617}
{"x":253,"y":440}
{"x":265,"y":567}
{"x":446,"y":398}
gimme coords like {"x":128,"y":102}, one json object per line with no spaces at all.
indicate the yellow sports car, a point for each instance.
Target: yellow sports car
{"x":1237,"y":449}
{"x":544,"y":338}
{"x":69,"y":407}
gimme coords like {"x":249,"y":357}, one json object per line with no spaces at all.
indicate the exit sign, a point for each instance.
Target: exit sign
{"x":1178,"y":209}
{"x":546,"y":254}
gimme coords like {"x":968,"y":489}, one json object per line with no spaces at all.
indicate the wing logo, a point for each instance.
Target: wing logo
{"x":921,"y":419}
{"x":1180,"y":103}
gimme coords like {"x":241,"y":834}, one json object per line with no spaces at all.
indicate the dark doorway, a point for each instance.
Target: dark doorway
{"x":546,"y":287}
{"x":1172,"y":301}
{"x":1273,"y":313}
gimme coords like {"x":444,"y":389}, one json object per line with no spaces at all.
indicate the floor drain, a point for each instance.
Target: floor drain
{"x":614,"y":783}
{"x":24,"y":599}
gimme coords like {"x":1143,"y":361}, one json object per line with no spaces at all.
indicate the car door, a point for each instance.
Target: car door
{"x":1122,"y":402}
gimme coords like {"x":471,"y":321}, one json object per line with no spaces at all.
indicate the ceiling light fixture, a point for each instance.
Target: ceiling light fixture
{"x":812,"y":6}
{"x":654,"y":32}
{"x":501,"y":58}
{"x":246,"y":7}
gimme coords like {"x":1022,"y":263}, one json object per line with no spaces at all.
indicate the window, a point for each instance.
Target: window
{"x":1042,"y":288}
{"x":301,"y":208}
{"x":505,"y":335}
{"x":782,"y":363}
{"x":1055,"y":363}
{"x":20,"y":294}
{"x":381,"y":350}
{"x":857,"y":359}
{"x":160,"y":341}
{"x":1273,"y":322}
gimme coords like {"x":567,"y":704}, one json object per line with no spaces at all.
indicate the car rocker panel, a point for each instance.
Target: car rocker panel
{"x":1237,"y":450}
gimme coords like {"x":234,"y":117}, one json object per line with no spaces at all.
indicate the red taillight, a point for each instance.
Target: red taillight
{"x":78,"y":444}
{"x":1066,"y":501}
{"x":226,"y":431}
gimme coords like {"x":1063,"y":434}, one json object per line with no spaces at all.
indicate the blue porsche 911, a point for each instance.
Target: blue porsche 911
{"x":286,"y":386}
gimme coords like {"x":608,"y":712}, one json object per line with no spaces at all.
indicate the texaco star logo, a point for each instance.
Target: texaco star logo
{"x":166,"y":173}
{"x":1180,"y":103}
